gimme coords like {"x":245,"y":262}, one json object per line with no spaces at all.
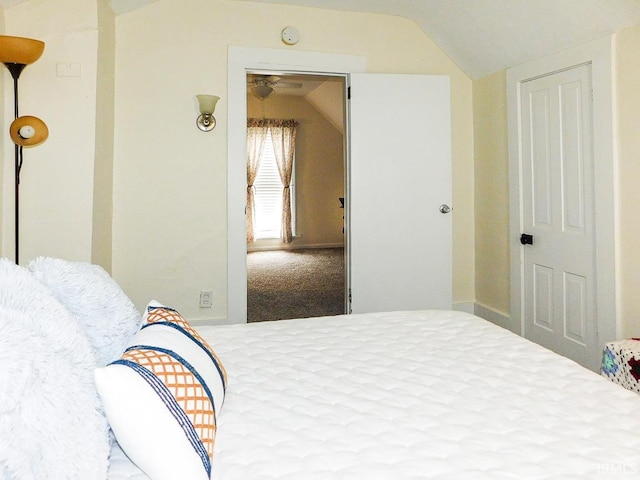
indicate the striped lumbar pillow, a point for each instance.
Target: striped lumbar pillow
{"x":165,"y":390}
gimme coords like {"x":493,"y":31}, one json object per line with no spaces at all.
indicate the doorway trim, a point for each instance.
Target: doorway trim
{"x":598,"y":53}
{"x":240,"y":61}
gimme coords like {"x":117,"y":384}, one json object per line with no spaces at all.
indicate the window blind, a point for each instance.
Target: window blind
{"x":268,"y":196}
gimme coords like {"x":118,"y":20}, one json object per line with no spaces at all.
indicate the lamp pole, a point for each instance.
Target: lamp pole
{"x":16,"y":69}
{"x":16,"y":53}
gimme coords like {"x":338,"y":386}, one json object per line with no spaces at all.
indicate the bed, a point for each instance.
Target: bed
{"x":398,"y":395}
{"x":410,"y":395}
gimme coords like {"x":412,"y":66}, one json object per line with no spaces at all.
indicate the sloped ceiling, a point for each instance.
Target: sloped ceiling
{"x":483,"y":36}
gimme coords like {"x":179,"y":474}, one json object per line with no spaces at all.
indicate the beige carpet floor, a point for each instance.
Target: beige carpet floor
{"x":295,"y":284}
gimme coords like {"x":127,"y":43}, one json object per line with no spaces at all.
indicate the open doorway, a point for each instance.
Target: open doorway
{"x":301,"y":274}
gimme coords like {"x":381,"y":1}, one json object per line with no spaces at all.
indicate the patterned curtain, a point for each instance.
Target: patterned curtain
{"x":256,"y":135}
{"x":283,"y":134}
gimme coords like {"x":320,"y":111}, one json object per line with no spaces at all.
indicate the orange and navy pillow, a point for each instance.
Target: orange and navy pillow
{"x":159,"y":314}
{"x":166,"y":390}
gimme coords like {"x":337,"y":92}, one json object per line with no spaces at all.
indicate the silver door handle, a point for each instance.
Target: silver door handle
{"x":444,"y":208}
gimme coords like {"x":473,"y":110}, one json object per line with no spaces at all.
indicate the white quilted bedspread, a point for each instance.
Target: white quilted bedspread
{"x":413,"y":395}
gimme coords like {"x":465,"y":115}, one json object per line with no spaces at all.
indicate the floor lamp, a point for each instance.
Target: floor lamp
{"x":16,"y":53}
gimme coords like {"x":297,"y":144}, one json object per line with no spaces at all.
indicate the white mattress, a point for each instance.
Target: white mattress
{"x":412,"y":395}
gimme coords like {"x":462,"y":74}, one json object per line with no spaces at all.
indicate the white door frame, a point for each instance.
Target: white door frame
{"x":598,"y":53}
{"x":240,"y":60}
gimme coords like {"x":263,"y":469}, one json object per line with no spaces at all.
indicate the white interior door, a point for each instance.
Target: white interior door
{"x":400,"y":175}
{"x":558,"y":212}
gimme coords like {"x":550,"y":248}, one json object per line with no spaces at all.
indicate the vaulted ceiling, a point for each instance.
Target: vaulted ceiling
{"x":483,"y":36}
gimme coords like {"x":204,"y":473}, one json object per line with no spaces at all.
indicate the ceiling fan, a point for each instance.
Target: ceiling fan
{"x":262,"y":86}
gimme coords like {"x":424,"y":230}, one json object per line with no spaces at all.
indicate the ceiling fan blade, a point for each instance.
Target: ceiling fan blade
{"x":288,"y":85}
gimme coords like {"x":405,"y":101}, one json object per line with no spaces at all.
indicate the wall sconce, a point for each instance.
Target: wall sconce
{"x":16,"y":53}
{"x":206,"y":121}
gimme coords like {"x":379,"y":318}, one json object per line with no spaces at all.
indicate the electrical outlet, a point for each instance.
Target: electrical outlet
{"x":206,"y":298}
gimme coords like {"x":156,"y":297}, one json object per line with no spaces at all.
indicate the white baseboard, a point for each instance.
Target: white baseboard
{"x":208,"y":321}
{"x":201,"y":322}
{"x":264,"y":248}
{"x":478,"y":309}
{"x":496,"y":317}
{"x":468,"y":307}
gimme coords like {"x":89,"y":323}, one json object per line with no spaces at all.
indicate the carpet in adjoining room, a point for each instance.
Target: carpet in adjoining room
{"x":284,"y":284}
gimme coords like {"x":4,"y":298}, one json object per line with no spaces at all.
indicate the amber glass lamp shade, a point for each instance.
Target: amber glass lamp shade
{"x":28,"y":131}
{"x":20,"y":50}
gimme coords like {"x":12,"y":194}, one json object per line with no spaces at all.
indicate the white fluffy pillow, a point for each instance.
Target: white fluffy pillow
{"x":107,"y":315}
{"x":166,"y":391}
{"x":50,"y":420}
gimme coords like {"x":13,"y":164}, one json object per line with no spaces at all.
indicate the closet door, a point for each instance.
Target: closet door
{"x":399,"y":208}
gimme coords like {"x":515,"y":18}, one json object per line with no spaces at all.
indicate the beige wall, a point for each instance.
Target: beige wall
{"x":102,"y":236}
{"x":628,"y":143}
{"x":491,"y":192}
{"x":492,"y":196}
{"x":319,"y":171}
{"x":170,"y":179}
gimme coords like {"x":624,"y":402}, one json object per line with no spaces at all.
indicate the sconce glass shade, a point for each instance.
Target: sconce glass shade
{"x":28,"y":131}
{"x":20,"y":50}
{"x":207,"y":103}
{"x":207,"y":122}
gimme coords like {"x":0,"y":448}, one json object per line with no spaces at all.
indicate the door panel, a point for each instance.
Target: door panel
{"x":543,"y":297}
{"x":541,"y":167}
{"x":575,"y":308}
{"x":400,"y":174}
{"x":558,"y":210}
{"x":572,"y":174}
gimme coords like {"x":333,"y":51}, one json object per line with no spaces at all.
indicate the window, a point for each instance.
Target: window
{"x":268,"y":196}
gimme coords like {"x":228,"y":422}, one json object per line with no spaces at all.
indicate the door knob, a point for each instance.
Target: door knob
{"x":526,"y":239}
{"x":444,"y":208}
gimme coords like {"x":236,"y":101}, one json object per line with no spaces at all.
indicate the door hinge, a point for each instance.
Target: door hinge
{"x":348,"y":93}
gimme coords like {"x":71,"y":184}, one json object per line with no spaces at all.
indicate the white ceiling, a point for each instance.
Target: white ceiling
{"x":118,"y":6}
{"x":306,"y":83}
{"x":10,"y":3}
{"x":483,"y":36}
